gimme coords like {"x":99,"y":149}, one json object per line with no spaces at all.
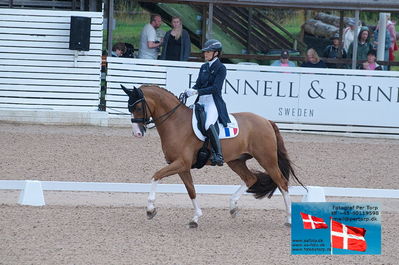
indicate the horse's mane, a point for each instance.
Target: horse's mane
{"x":162,"y":88}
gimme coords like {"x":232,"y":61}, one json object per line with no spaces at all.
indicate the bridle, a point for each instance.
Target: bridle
{"x":147,"y":118}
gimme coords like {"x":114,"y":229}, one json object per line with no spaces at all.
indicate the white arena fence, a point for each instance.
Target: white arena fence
{"x":43,"y":81}
{"x":38,"y":71}
{"x":306,"y":99}
{"x":32,"y":191}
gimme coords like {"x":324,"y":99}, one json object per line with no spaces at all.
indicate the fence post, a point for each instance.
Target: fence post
{"x":315,"y":194}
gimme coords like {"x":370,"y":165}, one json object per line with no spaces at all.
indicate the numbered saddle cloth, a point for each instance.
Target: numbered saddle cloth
{"x":230,"y":131}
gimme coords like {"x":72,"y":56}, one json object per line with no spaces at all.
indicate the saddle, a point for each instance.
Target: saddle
{"x":198,"y":124}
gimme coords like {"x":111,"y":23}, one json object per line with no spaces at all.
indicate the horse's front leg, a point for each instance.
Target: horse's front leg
{"x":175,"y":167}
{"x":151,"y":210}
{"x":170,"y":169}
{"x":188,"y":182}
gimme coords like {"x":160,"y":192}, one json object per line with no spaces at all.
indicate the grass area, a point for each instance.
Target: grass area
{"x":293,"y":23}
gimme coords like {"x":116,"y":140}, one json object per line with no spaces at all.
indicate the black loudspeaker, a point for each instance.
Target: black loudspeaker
{"x":79,"y":36}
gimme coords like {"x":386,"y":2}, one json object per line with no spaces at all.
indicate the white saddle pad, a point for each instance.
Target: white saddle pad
{"x":230,"y":131}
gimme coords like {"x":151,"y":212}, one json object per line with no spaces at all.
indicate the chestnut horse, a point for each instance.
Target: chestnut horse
{"x":258,"y":138}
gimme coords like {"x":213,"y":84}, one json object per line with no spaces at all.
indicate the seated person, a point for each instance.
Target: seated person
{"x":129,"y":52}
{"x":371,"y":63}
{"x":118,"y":49}
{"x":283,"y":60}
{"x":313,"y":60}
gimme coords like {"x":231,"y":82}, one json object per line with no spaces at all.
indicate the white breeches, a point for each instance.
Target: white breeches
{"x":210,"y":110}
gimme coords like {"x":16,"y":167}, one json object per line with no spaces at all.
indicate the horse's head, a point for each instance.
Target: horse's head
{"x":138,"y":108}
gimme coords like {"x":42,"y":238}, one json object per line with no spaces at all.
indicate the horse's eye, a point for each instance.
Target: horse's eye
{"x":137,"y":109}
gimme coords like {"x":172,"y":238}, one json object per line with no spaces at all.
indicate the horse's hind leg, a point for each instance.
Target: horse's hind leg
{"x":287,"y":202}
{"x":188,"y":182}
{"x":239,"y":166}
{"x":270,"y":164}
{"x":234,"y":199}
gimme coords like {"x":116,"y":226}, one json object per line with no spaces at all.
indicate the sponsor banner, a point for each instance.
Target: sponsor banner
{"x":335,"y":228}
{"x":304,"y":97}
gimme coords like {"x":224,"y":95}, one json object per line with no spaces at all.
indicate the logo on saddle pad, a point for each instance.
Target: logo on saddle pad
{"x":230,"y":131}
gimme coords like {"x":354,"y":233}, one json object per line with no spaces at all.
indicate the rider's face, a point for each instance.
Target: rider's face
{"x":208,"y":55}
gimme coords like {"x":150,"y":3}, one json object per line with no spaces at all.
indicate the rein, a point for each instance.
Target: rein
{"x":146,"y":120}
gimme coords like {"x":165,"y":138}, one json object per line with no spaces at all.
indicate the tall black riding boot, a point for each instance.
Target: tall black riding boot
{"x":217,"y":157}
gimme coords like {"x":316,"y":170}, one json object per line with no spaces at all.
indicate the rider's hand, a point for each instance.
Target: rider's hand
{"x":190,"y":92}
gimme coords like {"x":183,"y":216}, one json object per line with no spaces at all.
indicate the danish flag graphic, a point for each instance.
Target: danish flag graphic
{"x":312,"y":222}
{"x":347,"y":237}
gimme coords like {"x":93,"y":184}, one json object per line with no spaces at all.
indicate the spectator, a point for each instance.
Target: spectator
{"x":284,"y":60}
{"x":348,"y":35}
{"x":148,"y":39}
{"x":371,"y":63}
{"x":392,"y":33}
{"x":129,"y":53}
{"x":364,"y":45}
{"x":118,"y":50}
{"x":334,"y":51}
{"x":177,"y":44}
{"x":313,"y":60}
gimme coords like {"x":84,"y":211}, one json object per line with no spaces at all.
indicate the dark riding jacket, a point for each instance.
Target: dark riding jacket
{"x":210,"y":82}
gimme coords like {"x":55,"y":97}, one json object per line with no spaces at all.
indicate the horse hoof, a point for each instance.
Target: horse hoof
{"x":234,"y":212}
{"x":192,"y":224}
{"x":287,"y":224}
{"x":151,"y":214}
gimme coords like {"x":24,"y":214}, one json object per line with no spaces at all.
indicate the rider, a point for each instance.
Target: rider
{"x":209,"y":89}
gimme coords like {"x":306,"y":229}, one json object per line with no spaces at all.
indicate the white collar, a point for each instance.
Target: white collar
{"x":211,"y":62}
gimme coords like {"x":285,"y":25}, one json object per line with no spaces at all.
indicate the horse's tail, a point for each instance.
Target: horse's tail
{"x":265,"y":186}
{"x":284,"y":163}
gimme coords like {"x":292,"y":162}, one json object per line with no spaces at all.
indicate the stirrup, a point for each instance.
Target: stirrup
{"x":217,"y":159}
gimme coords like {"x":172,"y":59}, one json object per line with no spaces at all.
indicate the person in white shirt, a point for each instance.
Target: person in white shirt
{"x":349,"y":34}
{"x":149,"y":43}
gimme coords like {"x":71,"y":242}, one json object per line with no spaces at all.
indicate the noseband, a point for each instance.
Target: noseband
{"x":147,"y":118}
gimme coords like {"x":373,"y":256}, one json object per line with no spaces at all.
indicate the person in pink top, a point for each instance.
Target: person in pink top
{"x":284,"y":60}
{"x":371,"y":63}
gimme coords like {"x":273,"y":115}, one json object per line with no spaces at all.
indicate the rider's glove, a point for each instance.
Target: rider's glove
{"x":190,"y":92}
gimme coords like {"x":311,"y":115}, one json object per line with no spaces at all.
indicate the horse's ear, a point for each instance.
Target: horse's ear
{"x":136,"y":92}
{"x":127,"y":91}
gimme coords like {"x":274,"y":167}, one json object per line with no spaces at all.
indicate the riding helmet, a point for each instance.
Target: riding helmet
{"x":212,"y":45}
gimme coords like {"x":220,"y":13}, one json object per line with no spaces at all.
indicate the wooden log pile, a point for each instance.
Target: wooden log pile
{"x":324,"y":25}
{"x":331,"y":19}
{"x":319,"y":28}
